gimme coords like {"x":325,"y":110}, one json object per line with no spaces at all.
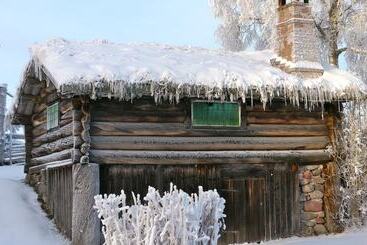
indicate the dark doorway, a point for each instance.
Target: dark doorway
{"x":261,"y":200}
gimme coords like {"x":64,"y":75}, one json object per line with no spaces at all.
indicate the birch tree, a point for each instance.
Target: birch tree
{"x":341,"y":27}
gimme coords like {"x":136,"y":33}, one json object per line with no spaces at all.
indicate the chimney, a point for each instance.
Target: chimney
{"x":297,"y":46}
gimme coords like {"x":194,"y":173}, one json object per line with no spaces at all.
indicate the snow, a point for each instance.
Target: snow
{"x":126,"y":71}
{"x":22,"y":220}
{"x":174,"y":218}
{"x":355,"y":237}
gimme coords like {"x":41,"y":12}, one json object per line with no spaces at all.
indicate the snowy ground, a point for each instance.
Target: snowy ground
{"x":23,"y":222}
{"x":347,"y":238}
{"x":21,"y":219}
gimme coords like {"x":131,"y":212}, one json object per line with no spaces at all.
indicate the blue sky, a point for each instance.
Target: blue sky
{"x":24,"y":22}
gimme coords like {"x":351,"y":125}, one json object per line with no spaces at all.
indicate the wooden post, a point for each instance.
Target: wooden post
{"x":3,"y":90}
{"x":85,"y":223}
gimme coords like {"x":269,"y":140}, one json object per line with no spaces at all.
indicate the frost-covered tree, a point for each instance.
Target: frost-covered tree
{"x":341,"y":26}
{"x":351,"y":157}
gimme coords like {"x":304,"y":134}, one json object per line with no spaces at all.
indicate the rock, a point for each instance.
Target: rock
{"x":312,"y":215}
{"x":311,"y":223}
{"x":312,"y":167}
{"x":307,"y":231}
{"x":320,"y":220}
{"x":316,"y":195}
{"x":318,"y":180}
{"x":303,"y":198}
{"x":320,"y":229}
{"x":319,"y":187}
{"x":304,"y":181}
{"x":307,"y":174}
{"x":316,"y":172}
{"x":308,"y":188}
{"x":314,"y":205}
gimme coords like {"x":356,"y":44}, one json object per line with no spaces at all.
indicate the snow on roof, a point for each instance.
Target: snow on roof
{"x":102,"y":68}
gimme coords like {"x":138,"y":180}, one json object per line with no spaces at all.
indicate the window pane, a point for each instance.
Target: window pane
{"x":216,"y":114}
{"x":52,"y":116}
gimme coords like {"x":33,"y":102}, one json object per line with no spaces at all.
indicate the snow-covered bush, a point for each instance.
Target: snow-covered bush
{"x":351,"y":158}
{"x":174,"y":218}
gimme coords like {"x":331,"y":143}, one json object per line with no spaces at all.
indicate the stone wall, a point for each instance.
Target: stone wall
{"x":312,"y":200}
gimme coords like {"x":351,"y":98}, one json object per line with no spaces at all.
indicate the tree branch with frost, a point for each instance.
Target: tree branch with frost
{"x":252,"y":23}
{"x":174,"y":218}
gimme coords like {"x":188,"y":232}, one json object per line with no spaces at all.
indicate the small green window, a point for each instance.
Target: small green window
{"x":216,"y":114}
{"x":53,"y":116}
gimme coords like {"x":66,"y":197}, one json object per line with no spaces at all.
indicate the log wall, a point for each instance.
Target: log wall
{"x":254,"y":167}
{"x":52,"y":152}
{"x":143,"y":133}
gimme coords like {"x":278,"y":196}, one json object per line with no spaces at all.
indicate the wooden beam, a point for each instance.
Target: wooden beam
{"x":56,"y":146}
{"x":208,"y":143}
{"x":63,"y":132}
{"x":58,"y":156}
{"x":180,"y":129}
{"x":208,"y":157}
{"x":37,"y":169}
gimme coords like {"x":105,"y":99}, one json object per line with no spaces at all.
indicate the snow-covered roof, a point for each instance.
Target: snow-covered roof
{"x":102,"y":68}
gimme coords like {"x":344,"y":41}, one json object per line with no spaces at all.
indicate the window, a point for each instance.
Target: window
{"x":53,"y":116}
{"x":215,"y":114}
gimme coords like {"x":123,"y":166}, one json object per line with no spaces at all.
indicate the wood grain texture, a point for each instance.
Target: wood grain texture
{"x":207,"y":157}
{"x":207,"y":143}
{"x":56,"y":146}
{"x":85,"y":222}
{"x":181,"y":129}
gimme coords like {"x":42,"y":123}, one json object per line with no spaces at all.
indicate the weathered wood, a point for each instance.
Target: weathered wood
{"x":42,"y":129}
{"x":85,"y":223}
{"x":36,"y":169}
{"x":208,"y":143}
{"x":296,"y":118}
{"x":62,"y":132}
{"x":40,"y":118}
{"x":28,"y":146}
{"x":56,"y":146}
{"x":60,"y":197}
{"x":53,"y":157}
{"x":180,"y":129}
{"x":207,"y":157}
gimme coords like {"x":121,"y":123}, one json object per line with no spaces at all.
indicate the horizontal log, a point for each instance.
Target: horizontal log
{"x":57,"y":156}
{"x":278,"y":106}
{"x":37,"y":169}
{"x":180,"y":129}
{"x":144,"y":105}
{"x":56,"y":146}
{"x":137,"y":116}
{"x":208,"y":143}
{"x":62,"y":132}
{"x":42,"y":129}
{"x":208,"y":157}
{"x":296,"y":118}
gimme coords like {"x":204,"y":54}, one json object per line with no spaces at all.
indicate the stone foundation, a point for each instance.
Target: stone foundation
{"x":312,"y":200}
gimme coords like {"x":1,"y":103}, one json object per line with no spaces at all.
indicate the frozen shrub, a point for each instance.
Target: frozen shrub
{"x":174,"y":218}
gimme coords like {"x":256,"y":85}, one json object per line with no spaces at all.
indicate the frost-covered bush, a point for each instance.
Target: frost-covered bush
{"x":351,"y":157}
{"x":174,"y":218}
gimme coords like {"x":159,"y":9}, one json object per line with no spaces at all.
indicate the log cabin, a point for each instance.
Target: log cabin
{"x":257,"y":126}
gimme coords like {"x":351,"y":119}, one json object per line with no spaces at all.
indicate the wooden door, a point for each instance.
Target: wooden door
{"x":245,"y":209}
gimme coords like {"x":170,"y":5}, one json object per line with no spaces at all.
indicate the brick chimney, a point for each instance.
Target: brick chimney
{"x":297,"y":46}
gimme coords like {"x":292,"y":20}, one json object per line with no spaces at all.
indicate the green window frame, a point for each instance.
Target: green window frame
{"x":215,"y":114}
{"x":53,"y":116}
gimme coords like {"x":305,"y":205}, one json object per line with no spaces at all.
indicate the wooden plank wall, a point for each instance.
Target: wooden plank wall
{"x":60,"y":197}
{"x":262,"y":200}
